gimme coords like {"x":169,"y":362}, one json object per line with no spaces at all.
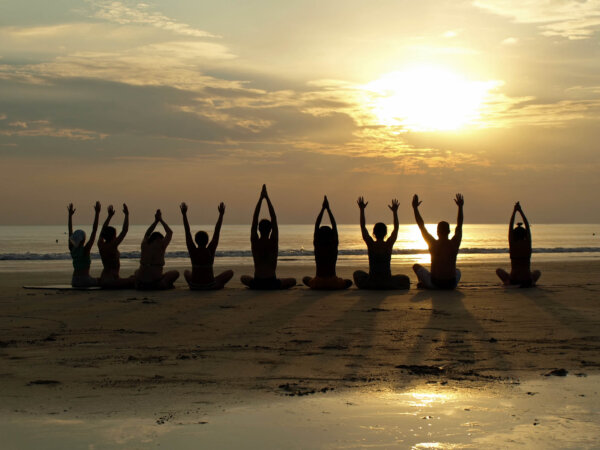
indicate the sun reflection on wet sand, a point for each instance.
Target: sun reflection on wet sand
{"x":540,"y":413}
{"x":429,"y":398}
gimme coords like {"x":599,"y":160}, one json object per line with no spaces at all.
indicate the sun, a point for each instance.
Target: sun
{"x":427,"y":98}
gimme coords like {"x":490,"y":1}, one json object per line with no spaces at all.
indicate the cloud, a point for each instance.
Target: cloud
{"x":39,"y":128}
{"x":572,"y":19}
{"x":141,"y":14}
{"x":510,"y":41}
{"x":508,"y":112}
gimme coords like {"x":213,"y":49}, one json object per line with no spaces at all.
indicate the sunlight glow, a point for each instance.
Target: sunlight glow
{"x":427,"y":98}
{"x":421,"y":398}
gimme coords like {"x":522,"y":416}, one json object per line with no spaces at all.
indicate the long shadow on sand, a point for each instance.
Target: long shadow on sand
{"x":572,"y":318}
{"x":452,"y":338}
{"x":345,"y":344}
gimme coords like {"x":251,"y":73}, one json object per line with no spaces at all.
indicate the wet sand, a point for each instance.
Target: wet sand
{"x":186,"y":357}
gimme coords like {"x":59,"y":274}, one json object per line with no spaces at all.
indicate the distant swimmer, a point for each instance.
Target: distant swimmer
{"x":325,"y":241}
{"x":108,"y":245}
{"x":380,"y":254}
{"x":444,"y":274}
{"x":201,"y":277}
{"x":154,"y":245}
{"x":80,"y":250}
{"x":519,"y":242}
{"x":264,"y":250}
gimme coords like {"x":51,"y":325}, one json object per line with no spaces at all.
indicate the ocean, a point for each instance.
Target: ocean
{"x":45,"y":247}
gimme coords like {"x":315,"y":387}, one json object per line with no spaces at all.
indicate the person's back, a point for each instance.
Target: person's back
{"x":110,"y":256}
{"x":202,"y":265}
{"x":326,"y":254}
{"x":264,"y":253}
{"x":152,"y":258}
{"x":520,"y":258}
{"x":443,"y":261}
{"x":443,"y":251}
{"x":380,"y":259}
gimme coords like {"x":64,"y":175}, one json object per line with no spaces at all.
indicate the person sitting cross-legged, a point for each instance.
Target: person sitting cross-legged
{"x":202,"y":254}
{"x":380,"y":254}
{"x":265,"y":248}
{"x":519,"y":242}
{"x":444,"y":274}
{"x":150,"y":275}
{"x":325,"y":241}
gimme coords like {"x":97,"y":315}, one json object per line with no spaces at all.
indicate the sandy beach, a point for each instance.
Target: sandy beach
{"x":183,"y":357}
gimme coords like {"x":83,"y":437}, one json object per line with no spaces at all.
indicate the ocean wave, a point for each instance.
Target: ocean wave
{"x":289,"y":253}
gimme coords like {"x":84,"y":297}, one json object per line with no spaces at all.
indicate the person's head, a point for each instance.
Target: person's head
{"x":156,"y":236}
{"x":77,"y":238}
{"x":380,"y":230}
{"x":519,"y":233}
{"x":108,"y":233}
{"x":324,"y":235}
{"x":201,"y":238}
{"x":443,"y":229}
{"x":265,"y":226}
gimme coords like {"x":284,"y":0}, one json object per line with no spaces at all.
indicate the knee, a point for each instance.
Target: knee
{"x":359,"y":274}
{"x":228,"y":274}
{"x":287,"y":283}
{"x":417,"y":267}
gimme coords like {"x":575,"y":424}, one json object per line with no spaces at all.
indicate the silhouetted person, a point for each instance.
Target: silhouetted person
{"x":150,"y":274}
{"x":326,"y":242}
{"x":380,"y":254}
{"x":264,"y":250}
{"x":519,"y":241}
{"x":80,"y":250}
{"x":108,"y":245}
{"x":444,"y":274}
{"x":203,"y":256}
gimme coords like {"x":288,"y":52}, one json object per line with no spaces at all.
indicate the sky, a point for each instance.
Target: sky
{"x":156,"y":102}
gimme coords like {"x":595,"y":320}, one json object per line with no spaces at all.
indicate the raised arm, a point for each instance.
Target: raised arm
{"x":460,"y":201}
{"x":319,"y":219}
{"x":512,"y":221}
{"x":363,"y":228}
{"x":526,"y":223}
{"x":394,"y":207}
{"x":214,"y":242}
{"x":274,"y":227}
{"x":70,"y":223}
{"x":168,"y":231}
{"x":332,"y":220}
{"x":186,"y":225}
{"x":92,"y":239}
{"x":415,"y":204}
{"x":151,"y":228}
{"x":125,"y":228}
{"x":111,"y":212}
{"x":254,"y":227}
